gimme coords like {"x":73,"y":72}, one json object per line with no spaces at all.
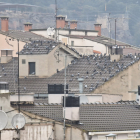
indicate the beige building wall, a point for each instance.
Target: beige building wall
{"x":41,"y":65}
{"x":87,"y":44}
{"x":45,"y":64}
{"x":125,"y":81}
{"x":14,"y":43}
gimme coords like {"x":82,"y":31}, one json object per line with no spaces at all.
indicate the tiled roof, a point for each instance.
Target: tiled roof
{"x":100,"y":39}
{"x":96,"y":70}
{"x":99,"y":118}
{"x":94,"y":117}
{"x":23,"y":35}
{"x":39,"y":47}
{"x":52,"y":111}
{"x":43,"y":47}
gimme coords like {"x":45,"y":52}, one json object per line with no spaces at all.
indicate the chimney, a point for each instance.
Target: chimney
{"x":81,"y":85}
{"x":60,"y":21}
{"x":4,"y":23}
{"x":73,"y":24}
{"x":27,"y":26}
{"x":98,"y":28}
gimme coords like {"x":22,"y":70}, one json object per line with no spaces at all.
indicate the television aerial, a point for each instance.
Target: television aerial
{"x":3,"y":120}
{"x":18,"y":121}
{"x":50,"y":31}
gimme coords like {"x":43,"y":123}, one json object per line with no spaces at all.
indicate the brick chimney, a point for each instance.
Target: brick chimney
{"x":98,"y":28}
{"x":4,"y":24}
{"x":73,"y":24}
{"x":60,"y":21}
{"x":27,"y":26}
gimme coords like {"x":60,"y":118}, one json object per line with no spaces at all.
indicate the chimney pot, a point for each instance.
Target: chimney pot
{"x":73,"y":24}
{"x":4,"y":24}
{"x":60,"y":21}
{"x":27,"y":26}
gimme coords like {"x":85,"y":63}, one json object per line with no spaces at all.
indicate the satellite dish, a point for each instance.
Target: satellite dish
{"x":83,"y":99}
{"x":18,"y":121}
{"x":50,"y":31}
{"x":3,"y":120}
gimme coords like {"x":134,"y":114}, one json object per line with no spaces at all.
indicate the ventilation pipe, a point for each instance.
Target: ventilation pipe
{"x":80,"y":84}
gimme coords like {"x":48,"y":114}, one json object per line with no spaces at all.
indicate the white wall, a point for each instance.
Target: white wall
{"x":27,"y":98}
{"x":92,"y":33}
{"x":55,"y":98}
{"x":94,"y":98}
{"x":84,"y":42}
{"x":71,"y":113}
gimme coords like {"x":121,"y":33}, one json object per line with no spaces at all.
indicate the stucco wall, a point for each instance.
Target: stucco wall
{"x":125,"y":81}
{"x":5,"y":45}
{"x":53,"y":65}
{"x":84,"y":42}
{"x":41,"y":65}
{"x":45,"y":64}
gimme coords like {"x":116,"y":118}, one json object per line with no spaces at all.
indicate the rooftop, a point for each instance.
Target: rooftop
{"x":43,"y":47}
{"x":94,"y":117}
{"x":23,"y":35}
{"x":95,"y":69}
{"x":100,"y":39}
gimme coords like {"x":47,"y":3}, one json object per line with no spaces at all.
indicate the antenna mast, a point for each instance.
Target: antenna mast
{"x":55,"y":13}
{"x":56,"y":20}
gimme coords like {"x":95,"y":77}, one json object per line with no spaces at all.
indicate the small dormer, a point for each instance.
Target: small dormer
{"x":6,"y":55}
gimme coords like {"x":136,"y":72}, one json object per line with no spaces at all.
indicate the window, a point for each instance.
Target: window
{"x":32,"y":68}
{"x":23,"y":61}
{"x":4,"y":87}
{"x":72,"y":43}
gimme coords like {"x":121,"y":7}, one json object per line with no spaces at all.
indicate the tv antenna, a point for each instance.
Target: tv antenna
{"x":56,"y":13}
{"x":50,"y":31}
{"x":115,"y":19}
